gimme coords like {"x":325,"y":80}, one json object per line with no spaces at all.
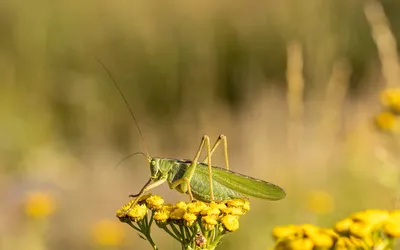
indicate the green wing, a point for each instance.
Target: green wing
{"x":244,"y":184}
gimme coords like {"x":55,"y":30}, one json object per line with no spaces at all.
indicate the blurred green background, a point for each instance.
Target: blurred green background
{"x":187,"y":68}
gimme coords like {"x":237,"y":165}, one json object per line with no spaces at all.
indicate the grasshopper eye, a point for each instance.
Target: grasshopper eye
{"x":153,"y":163}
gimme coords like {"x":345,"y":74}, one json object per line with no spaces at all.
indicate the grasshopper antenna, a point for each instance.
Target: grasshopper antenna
{"x":129,"y":156}
{"x":130,"y":111}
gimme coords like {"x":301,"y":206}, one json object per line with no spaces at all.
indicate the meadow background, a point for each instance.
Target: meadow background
{"x":294,"y":85}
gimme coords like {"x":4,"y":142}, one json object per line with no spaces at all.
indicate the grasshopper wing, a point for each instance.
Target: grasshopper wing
{"x":245,"y":184}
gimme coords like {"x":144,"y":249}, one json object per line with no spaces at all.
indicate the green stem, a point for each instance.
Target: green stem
{"x":216,"y":241}
{"x":165,"y":228}
{"x":176,"y":232}
{"x":145,"y":230}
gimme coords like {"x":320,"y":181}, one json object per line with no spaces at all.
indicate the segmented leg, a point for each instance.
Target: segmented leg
{"x":148,"y":186}
{"x":179,"y":182}
{"x":192,"y":168}
{"x":216,"y":144}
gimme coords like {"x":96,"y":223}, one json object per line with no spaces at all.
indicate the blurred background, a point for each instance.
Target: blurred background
{"x":294,"y":85}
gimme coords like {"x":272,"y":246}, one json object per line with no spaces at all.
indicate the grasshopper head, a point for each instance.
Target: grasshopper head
{"x":154,"y":167}
{"x":160,"y":167}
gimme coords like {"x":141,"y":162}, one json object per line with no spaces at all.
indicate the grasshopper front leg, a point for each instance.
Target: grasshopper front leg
{"x":148,"y":186}
{"x":185,"y":181}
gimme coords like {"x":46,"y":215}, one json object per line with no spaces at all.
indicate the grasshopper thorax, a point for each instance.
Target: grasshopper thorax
{"x":160,"y":167}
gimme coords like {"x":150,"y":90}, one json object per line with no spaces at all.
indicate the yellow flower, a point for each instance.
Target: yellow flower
{"x":391,"y":98}
{"x":232,"y":210}
{"x":209,"y":222}
{"x":309,"y":229}
{"x":387,"y":121}
{"x":181,"y":205}
{"x":286,"y":231}
{"x":244,"y":205}
{"x":372,"y":217}
{"x":177,"y":214}
{"x":161,"y":216}
{"x":189,"y":219}
{"x":196,"y":207}
{"x":235,"y":203}
{"x":395,"y":215}
{"x":137,"y":213}
{"x":210,"y":211}
{"x":39,"y":204}
{"x":301,"y":244}
{"x":343,"y":226}
{"x":344,"y":243}
{"x":361,"y":230}
{"x":321,"y":240}
{"x":154,"y":202}
{"x":392,"y":229}
{"x":320,"y":202}
{"x":230,"y":222}
{"x":108,"y":233}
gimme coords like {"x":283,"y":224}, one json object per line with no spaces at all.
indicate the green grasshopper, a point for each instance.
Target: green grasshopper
{"x":201,"y":180}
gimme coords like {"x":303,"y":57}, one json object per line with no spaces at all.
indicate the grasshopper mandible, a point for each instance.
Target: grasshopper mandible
{"x":201,"y":180}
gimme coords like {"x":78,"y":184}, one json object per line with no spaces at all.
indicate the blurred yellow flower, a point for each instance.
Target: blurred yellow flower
{"x":39,"y":204}
{"x":320,"y":202}
{"x":387,"y":121}
{"x":301,"y":244}
{"x":108,"y":233}
{"x":286,"y":231}
{"x":343,"y":226}
{"x":391,"y":98}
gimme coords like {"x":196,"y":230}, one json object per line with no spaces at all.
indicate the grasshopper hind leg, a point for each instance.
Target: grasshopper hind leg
{"x":205,"y":141}
{"x":221,"y":138}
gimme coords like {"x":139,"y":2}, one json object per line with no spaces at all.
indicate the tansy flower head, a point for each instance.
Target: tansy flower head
{"x":161,"y":216}
{"x":189,"y":219}
{"x":209,"y":222}
{"x":39,"y":204}
{"x":154,"y":202}
{"x":196,"y":207}
{"x":108,"y":233}
{"x":290,"y":231}
{"x":233,"y":211}
{"x":210,"y":211}
{"x":181,"y":205}
{"x":230,"y":222}
{"x":177,"y":213}
{"x":388,"y":122}
{"x":138,"y":212}
{"x":390,"y":98}
{"x":320,"y":202}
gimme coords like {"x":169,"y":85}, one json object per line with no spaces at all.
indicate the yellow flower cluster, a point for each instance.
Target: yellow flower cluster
{"x":194,"y":224}
{"x":209,"y":215}
{"x":370,"y":229}
{"x":389,"y":119}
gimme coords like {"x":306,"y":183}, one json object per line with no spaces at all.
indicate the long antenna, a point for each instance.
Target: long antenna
{"x":127,"y":157}
{"x":130,"y":110}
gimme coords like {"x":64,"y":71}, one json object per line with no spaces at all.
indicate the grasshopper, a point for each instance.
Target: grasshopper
{"x":199,"y":179}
